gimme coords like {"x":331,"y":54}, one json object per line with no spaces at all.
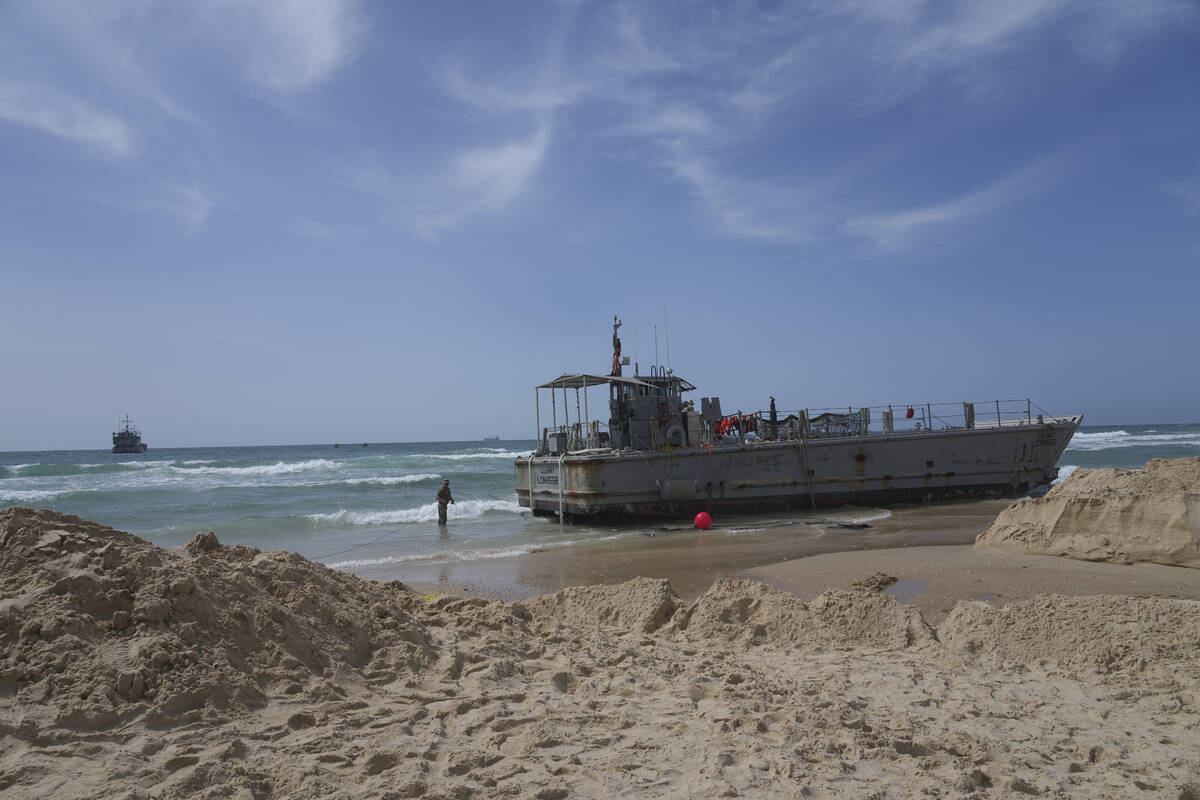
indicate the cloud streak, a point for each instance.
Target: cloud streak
{"x":1188,"y":193}
{"x":744,"y":208}
{"x":483,"y":179}
{"x":293,"y":45}
{"x":66,"y":117}
{"x":898,"y":228}
{"x":704,"y":90}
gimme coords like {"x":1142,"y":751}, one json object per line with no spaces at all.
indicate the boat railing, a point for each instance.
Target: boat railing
{"x":574,"y":438}
{"x":821,"y":423}
{"x":892,"y":419}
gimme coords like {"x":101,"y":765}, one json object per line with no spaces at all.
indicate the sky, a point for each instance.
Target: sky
{"x":304,"y":221}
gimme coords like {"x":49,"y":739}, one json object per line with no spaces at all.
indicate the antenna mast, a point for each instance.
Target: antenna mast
{"x":667,"y":337}
{"x":616,"y":343}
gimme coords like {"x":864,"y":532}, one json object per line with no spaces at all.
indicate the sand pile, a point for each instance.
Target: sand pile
{"x":263,"y":675}
{"x":645,"y":605}
{"x":98,"y":626}
{"x":1110,"y":515}
{"x":1150,"y":643}
{"x":754,"y":613}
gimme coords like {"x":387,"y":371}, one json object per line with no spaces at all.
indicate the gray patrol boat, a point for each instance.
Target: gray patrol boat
{"x":657,"y":455}
{"x":128,"y":440}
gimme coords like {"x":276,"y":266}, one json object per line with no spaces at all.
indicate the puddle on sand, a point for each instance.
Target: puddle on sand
{"x":986,"y":596}
{"x":905,"y":589}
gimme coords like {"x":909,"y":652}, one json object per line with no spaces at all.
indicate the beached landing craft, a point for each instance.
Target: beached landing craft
{"x":658,"y":456}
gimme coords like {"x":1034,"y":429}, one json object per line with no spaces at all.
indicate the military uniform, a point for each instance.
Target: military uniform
{"x":443,"y":500}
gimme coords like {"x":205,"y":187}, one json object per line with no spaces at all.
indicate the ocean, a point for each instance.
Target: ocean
{"x":363,"y":507}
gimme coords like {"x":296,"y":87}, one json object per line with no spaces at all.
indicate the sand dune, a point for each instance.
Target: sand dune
{"x":1152,"y":515}
{"x":130,"y":671}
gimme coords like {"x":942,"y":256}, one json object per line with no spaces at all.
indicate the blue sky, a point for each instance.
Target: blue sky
{"x":295,"y":221}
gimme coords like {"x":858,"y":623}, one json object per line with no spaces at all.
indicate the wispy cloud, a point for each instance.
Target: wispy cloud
{"x":51,"y":111}
{"x":292,"y":45}
{"x":731,"y":70}
{"x":1187,"y":191}
{"x":470,"y":182}
{"x":674,"y":119}
{"x":483,"y":179}
{"x":900,"y":227}
{"x":750,"y":209}
{"x":190,"y":204}
{"x":514,"y":95}
{"x":322,"y":230}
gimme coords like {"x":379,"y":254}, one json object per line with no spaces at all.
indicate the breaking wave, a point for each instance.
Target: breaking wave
{"x":464,"y":509}
{"x":1105,"y":440}
{"x":491,"y":453}
{"x":278,"y":468}
{"x":27,"y":496}
{"x":391,"y":480}
{"x":1064,"y":472}
{"x":444,"y":555}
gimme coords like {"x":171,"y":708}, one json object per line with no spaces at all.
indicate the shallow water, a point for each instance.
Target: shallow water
{"x":363,"y":508}
{"x":905,"y":589}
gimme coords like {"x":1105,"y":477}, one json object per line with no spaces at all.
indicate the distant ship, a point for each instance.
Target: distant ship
{"x":128,"y":440}
{"x":491,"y":438}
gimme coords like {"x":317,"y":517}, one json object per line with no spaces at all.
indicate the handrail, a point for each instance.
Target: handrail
{"x":843,"y":421}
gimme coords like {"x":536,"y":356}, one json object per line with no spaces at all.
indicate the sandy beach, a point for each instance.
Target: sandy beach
{"x":690,"y":559}
{"x":927,"y":548}
{"x":938,"y":652}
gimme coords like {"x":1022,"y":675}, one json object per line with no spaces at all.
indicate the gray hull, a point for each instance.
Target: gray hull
{"x":876,"y":468}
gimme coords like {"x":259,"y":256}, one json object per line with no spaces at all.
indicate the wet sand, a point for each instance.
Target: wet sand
{"x":927,"y":547}
{"x":933,"y":579}
{"x":691,"y":559}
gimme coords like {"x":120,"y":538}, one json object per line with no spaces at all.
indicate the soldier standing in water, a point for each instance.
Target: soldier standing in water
{"x":443,"y":500}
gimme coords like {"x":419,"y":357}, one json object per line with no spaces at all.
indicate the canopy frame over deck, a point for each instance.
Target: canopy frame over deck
{"x":576,"y":381}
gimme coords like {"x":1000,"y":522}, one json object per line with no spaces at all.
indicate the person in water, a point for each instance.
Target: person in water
{"x":443,"y":499}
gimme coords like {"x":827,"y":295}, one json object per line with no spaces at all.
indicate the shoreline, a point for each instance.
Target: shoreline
{"x":692,"y":559}
{"x":928,"y":548}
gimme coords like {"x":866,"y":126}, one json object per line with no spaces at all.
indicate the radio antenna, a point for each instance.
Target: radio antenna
{"x":667,"y":337}
{"x":656,"y":345}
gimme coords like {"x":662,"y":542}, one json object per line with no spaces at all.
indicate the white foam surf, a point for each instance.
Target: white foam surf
{"x":1064,"y":472}
{"x":870,"y":516}
{"x":27,"y":496}
{"x":463,"y":509}
{"x":444,"y":555}
{"x":390,"y":480}
{"x":510,"y":454}
{"x":1105,"y":440}
{"x":278,"y":468}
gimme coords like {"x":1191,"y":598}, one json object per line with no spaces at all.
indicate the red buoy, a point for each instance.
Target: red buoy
{"x":703,"y":520}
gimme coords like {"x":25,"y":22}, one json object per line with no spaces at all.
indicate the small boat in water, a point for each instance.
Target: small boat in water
{"x":128,"y":440}
{"x":657,"y":455}
{"x":491,"y":438}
